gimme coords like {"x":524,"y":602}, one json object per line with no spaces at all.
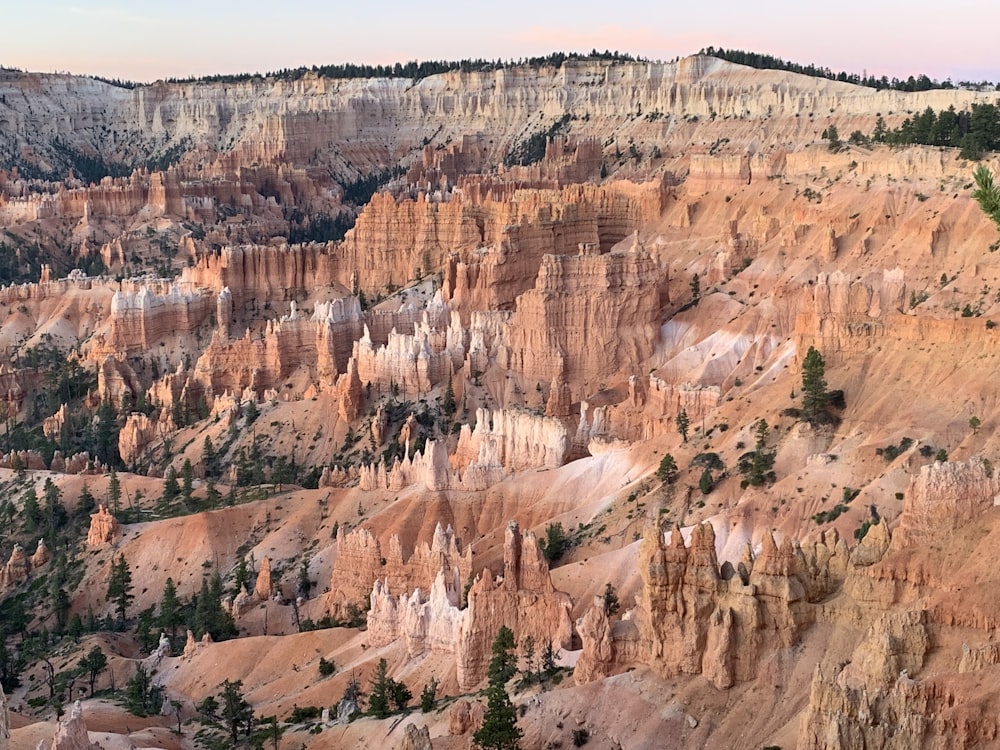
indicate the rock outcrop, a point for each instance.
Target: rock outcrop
{"x":694,"y":618}
{"x":946,"y":495}
{"x":104,"y":528}
{"x":522,"y":598}
{"x":20,"y":566}
{"x":361,"y":563}
{"x":71,"y":734}
{"x":416,"y":739}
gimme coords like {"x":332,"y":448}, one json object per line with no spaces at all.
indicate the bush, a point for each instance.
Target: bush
{"x":709,"y":461}
{"x":302,"y":714}
{"x":326,"y":668}
{"x":580,"y":737}
{"x":556,"y":542}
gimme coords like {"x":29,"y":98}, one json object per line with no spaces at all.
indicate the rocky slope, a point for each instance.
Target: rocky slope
{"x":370,"y":435}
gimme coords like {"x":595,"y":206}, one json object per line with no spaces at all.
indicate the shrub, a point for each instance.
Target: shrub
{"x":556,"y":542}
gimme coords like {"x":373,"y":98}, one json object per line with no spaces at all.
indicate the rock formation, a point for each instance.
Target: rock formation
{"x":361,"y":563}
{"x":946,"y":495}
{"x":416,"y":739}
{"x":694,"y":618}
{"x":71,"y":734}
{"x":523,"y":599}
{"x":264,"y":586}
{"x":104,"y":528}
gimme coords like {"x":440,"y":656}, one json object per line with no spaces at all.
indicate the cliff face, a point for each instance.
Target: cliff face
{"x":267,"y":120}
{"x":361,"y":563}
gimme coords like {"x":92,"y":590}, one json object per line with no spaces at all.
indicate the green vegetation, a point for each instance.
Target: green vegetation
{"x":815,"y":397}
{"x":428,"y":696}
{"x":667,"y":471}
{"x":414,"y":70}
{"x":555,"y":543}
{"x":386,"y":693}
{"x":532,"y":149}
{"x":499,"y":730}
{"x":987,"y":194}
{"x":891,"y":452}
{"x":683,"y":423}
{"x":757,"y":465}
{"x":975,"y":131}
{"x":770,"y":62}
{"x":120,"y":587}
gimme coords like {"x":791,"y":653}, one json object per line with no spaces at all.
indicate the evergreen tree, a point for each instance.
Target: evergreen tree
{"x":208,"y":456}
{"x":32,"y":511}
{"x":142,"y":697}
{"x":241,"y":577}
{"x":814,"y":393}
{"x":55,"y":513}
{"x":378,"y":699}
{"x":503,"y":663}
{"x":695,"y":288}
{"x":120,"y":587}
{"x":114,"y":492}
{"x":987,"y":193}
{"x":683,"y":424}
{"x":611,"y":604}
{"x":667,"y":471}
{"x":171,"y":488}
{"x":400,"y":694}
{"x":86,"y":503}
{"x":187,"y":481}
{"x":556,"y":542}
{"x":448,"y":404}
{"x":428,"y":696}
{"x":93,"y":664}
{"x":499,"y":730}
{"x":706,"y":483}
{"x":236,"y":711}
{"x":171,"y":609}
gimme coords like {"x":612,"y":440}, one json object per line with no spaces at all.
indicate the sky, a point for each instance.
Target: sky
{"x":145,"y":41}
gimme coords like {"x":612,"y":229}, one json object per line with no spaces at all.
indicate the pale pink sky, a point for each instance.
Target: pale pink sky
{"x":145,"y":41}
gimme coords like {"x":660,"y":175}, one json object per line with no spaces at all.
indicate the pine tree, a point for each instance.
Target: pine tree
{"x":171,"y":609}
{"x":114,"y":492}
{"x":378,"y":699}
{"x":499,"y":730}
{"x":54,"y":511}
{"x":987,"y":193}
{"x":187,"y":481}
{"x":236,"y":711}
{"x":32,"y":511}
{"x":448,"y":403}
{"x":706,"y":483}
{"x":611,"y":604}
{"x":120,"y":587}
{"x":667,"y":471}
{"x":428,"y":696}
{"x":94,"y":663}
{"x":683,"y":424}
{"x":814,"y":394}
{"x":171,"y":488}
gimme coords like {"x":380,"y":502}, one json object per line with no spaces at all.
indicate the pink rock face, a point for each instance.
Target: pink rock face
{"x":946,"y":495}
{"x":71,"y":734}
{"x":104,"y":528}
{"x":361,"y":562}
{"x":523,"y":599}
{"x":264,"y":586}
